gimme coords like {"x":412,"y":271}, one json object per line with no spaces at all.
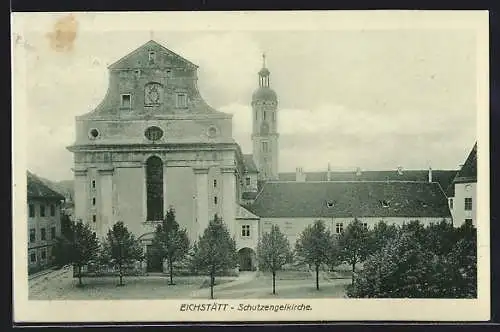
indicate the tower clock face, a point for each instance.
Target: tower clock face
{"x":152,"y":94}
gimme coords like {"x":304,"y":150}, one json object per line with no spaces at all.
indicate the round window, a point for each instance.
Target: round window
{"x":212,"y":132}
{"x":153,"y":133}
{"x":93,"y":133}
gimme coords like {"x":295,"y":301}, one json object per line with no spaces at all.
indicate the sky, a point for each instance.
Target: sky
{"x":373,"y":99}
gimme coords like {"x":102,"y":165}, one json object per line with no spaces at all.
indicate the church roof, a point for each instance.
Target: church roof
{"x":346,"y":199}
{"x":468,"y":172}
{"x":243,"y":213}
{"x":249,"y":163}
{"x":38,"y":189}
{"x":136,"y":57}
{"x":443,"y":177}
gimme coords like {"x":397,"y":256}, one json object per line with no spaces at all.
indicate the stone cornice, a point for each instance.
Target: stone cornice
{"x":200,"y":170}
{"x":228,"y":169}
{"x":145,"y":115}
{"x":108,"y":170}
{"x":201,"y":146}
{"x":265,"y":136}
{"x":78,"y":171}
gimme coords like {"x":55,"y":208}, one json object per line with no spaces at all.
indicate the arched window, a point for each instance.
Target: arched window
{"x":154,"y":187}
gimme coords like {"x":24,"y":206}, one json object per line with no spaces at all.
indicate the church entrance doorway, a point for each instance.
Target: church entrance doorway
{"x":247,"y":259}
{"x":154,"y":260}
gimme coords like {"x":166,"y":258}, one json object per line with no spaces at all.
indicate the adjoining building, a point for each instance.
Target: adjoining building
{"x":462,"y":199}
{"x":154,"y":143}
{"x":295,"y":205}
{"x":44,"y":222}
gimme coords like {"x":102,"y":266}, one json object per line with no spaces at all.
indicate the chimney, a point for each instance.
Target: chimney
{"x":430,"y":174}
{"x":328,"y":175}
{"x":299,"y":175}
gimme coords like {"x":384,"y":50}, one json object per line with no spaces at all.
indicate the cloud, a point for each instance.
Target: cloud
{"x":350,"y":138}
{"x":47,"y":151}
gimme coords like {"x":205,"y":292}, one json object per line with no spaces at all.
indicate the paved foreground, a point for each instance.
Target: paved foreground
{"x":60,"y":285}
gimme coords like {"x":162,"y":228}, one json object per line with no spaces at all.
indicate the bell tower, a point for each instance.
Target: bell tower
{"x":265,"y":127}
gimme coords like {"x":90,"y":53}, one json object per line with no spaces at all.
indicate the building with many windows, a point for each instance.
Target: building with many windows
{"x":154,"y":143}
{"x":44,"y":222}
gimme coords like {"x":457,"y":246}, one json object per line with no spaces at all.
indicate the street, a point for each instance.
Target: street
{"x":60,"y":285}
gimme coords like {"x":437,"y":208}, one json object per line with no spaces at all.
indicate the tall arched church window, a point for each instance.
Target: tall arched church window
{"x":153,"y":93}
{"x":154,"y":188}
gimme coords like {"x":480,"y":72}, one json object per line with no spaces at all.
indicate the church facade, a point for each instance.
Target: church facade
{"x":154,"y":143}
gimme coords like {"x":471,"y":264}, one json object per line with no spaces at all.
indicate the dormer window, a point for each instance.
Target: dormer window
{"x":330,"y":204}
{"x":126,"y":100}
{"x":384,"y":203}
{"x":181,"y":100}
{"x":152,"y":57}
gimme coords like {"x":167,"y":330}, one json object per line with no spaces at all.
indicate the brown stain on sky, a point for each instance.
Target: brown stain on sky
{"x":64,"y":34}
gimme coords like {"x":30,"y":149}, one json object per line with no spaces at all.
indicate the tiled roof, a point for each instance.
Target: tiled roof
{"x":249,"y":163}
{"x":38,"y":189}
{"x":443,"y":177}
{"x":350,"y":199}
{"x":243,"y":213}
{"x":468,"y":172}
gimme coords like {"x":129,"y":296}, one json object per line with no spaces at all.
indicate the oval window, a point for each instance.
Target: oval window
{"x":93,"y":133}
{"x":153,"y":133}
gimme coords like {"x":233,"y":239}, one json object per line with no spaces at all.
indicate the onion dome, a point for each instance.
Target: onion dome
{"x":264,"y":94}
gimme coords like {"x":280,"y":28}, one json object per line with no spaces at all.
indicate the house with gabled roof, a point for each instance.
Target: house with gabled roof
{"x":44,"y":222}
{"x":463,"y":201}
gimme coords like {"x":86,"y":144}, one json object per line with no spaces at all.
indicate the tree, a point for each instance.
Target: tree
{"x":354,"y":244}
{"x":84,"y":247}
{"x":171,"y":242}
{"x":440,"y":237}
{"x":405,"y":267}
{"x":399,"y":270}
{"x":381,"y":234}
{"x":314,"y":246}
{"x":63,"y":243}
{"x":215,"y":251}
{"x":122,"y":247}
{"x":463,"y":261}
{"x":273,"y":251}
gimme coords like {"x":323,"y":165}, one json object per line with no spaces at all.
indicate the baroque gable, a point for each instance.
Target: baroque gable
{"x":163,"y":58}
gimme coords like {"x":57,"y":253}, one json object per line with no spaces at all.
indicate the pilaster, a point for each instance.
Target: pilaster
{"x":106,"y":200}
{"x":202,"y":219}
{"x":229,"y":198}
{"x":81,"y":194}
